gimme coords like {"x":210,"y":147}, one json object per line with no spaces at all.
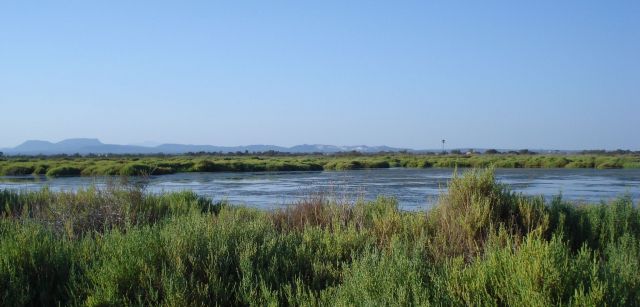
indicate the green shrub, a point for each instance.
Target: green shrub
{"x":534,"y":273}
{"x":128,"y":269}
{"x":208,"y":166}
{"x":377,"y":164}
{"x":62,"y":171}
{"x":135,"y":169}
{"x":383,"y":278}
{"x":41,"y":169}
{"x":621,"y":272}
{"x":17,"y":170}
{"x":605,"y":163}
{"x":631,"y":165}
{"x":580,"y":164}
{"x":35,"y":267}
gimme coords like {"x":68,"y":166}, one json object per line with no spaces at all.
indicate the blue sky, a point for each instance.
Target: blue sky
{"x":503,"y":74}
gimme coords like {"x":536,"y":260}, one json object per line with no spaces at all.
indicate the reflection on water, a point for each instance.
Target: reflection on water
{"x":414,"y":188}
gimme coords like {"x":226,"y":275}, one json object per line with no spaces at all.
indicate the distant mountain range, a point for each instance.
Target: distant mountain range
{"x":86,"y":146}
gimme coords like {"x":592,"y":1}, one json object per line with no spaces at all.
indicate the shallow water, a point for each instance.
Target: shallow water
{"x":414,"y":188}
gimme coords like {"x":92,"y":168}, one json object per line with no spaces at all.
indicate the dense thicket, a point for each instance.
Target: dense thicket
{"x":481,"y":245}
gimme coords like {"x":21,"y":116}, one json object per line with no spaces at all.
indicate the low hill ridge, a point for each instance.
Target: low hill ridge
{"x":95,"y":146}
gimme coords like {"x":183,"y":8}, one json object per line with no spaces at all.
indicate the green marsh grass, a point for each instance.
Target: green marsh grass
{"x":160,"y":165}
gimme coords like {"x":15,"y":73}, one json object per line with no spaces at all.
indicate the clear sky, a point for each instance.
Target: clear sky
{"x":502,"y":74}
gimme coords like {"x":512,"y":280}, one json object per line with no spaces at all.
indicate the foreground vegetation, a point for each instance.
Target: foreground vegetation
{"x":158,"y":165}
{"x":481,"y":245}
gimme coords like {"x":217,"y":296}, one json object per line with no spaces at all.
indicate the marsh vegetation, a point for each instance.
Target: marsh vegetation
{"x":159,"y":165}
{"x":480,"y":245}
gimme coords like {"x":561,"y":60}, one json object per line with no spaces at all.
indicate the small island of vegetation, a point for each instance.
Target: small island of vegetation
{"x":131,"y":165}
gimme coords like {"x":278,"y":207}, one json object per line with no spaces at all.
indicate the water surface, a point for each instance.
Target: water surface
{"x":414,"y":188}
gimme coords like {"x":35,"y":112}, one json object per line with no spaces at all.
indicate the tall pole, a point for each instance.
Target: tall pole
{"x":443,"y":145}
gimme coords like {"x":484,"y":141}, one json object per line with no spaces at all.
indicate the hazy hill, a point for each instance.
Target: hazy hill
{"x":88,"y":145}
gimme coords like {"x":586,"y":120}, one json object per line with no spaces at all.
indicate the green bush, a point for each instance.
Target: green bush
{"x":62,"y":171}
{"x":605,"y":163}
{"x":17,"y":170}
{"x":35,"y":266}
{"x":580,"y":164}
{"x":41,"y":169}
{"x":208,"y":166}
{"x":135,"y":169}
{"x":631,"y":165}
{"x":383,"y":278}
